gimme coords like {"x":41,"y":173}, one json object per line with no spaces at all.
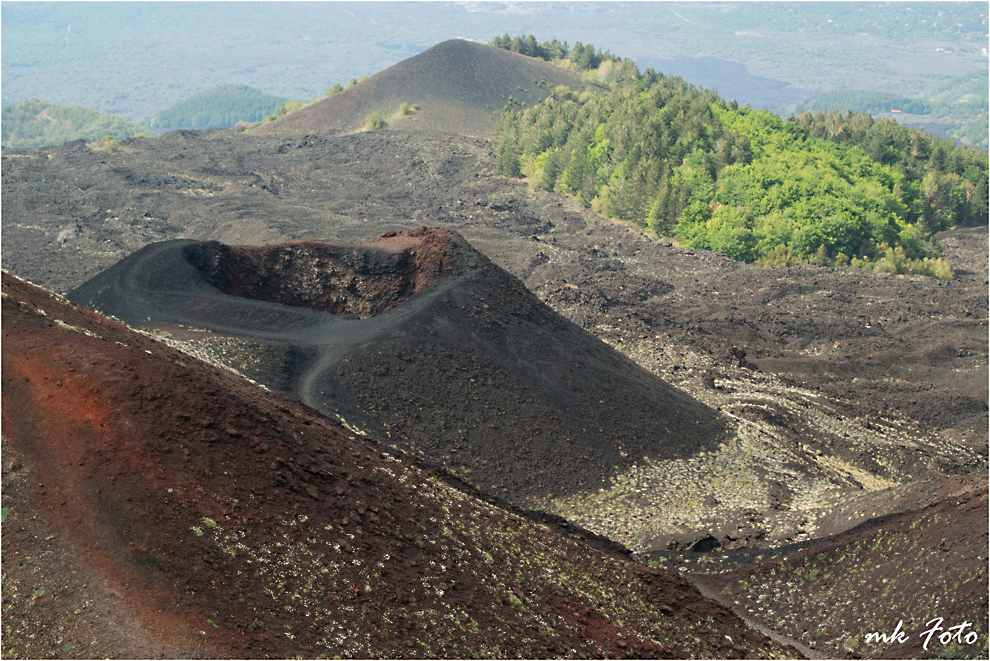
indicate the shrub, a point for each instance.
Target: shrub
{"x":373,"y":121}
{"x":404,"y":109}
{"x":778,"y":257}
{"x":109,"y":144}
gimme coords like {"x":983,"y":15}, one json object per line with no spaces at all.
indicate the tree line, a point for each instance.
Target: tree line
{"x":218,"y":107}
{"x":36,"y":123}
{"x":581,"y":56}
{"x":826,"y":188}
{"x":864,"y":101}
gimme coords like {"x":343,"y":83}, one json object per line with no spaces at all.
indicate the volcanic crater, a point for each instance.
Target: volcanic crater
{"x":364,"y":280}
{"x":868,"y":397}
{"x":389,"y":336}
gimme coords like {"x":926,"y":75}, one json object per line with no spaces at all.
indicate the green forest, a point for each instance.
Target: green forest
{"x":863,"y":101}
{"x":34,"y":123}
{"x":830,"y":189}
{"x":961,"y":101}
{"x":218,"y":107}
{"x":581,"y":56}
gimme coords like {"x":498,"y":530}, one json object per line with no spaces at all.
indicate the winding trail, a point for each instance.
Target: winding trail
{"x":740,"y":612}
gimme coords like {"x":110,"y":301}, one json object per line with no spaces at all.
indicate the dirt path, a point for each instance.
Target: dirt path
{"x":704,"y":589}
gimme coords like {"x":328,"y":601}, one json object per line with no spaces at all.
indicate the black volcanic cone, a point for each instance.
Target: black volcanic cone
{"x":459,"y":87}
{"x":463,"y":365}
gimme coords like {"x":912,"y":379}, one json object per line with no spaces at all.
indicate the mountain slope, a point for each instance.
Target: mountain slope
{"x":471,"y":370}
{"x":194,"y":514}
{"x":852,"y":361}
{"x":221,"y":106}
{"x":458,"y":85}
{"x":914,"y":567}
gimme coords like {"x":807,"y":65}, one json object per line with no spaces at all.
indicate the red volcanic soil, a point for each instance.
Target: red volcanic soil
{"x":913,"y":567}
{"x":157,"y":506}
{"x":458,"y":85}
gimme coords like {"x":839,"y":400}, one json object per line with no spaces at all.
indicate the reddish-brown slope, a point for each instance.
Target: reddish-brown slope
{"x":912,"y":567}
{"x":458,"y":85}
{"x":206,"y":516}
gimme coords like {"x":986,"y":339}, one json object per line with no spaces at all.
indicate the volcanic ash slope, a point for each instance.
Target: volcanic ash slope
{"x":457,"y":86}
{"x":923,"y":568}
{"x":421,"y":341}
{"x":157,"y":506}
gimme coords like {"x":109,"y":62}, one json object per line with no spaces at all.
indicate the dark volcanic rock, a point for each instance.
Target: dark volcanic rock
{"x":912,"y":567}
{"x":473,"y":371}
{"x":155,"y":506}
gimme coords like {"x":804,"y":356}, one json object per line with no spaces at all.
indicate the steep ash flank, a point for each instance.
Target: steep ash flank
{"x":916,"y":565}
{"x":215,"y":519}
{"x":459,"y":86}
{"x":472,"y":372}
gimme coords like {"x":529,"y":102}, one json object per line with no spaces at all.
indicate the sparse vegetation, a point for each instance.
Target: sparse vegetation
{"x":374,"y":122}
{"x":292,"y":106}
{"x":107,"y":144}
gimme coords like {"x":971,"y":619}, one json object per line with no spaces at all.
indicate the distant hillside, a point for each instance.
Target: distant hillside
{"x":955,"y":108}
{"x":867,"y":101}
{"x":35,"y":123}
{"x":218,"y":107}
{"x":732,"y":80}
{"x":963,"y":100}
{"x":458,"y":85}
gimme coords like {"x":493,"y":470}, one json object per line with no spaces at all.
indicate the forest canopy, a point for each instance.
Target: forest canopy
{"x":863,"y":101}
{"x":218,"y":107}
{"x":35,"y":123}
{"x":831,"y":189}
{"x":581,"y":56}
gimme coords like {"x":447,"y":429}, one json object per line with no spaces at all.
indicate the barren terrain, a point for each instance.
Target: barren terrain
{"x":473,"y":373}
{"x":843,"y":354}
{"x":157,"y":506}
{"x":457,"y":86}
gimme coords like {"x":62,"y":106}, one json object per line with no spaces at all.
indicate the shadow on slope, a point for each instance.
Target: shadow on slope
{"x":193,"y":514}
{"x":458,"y":85}
{"x":472,"y":372}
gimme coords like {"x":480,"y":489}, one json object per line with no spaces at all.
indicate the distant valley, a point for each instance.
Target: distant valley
{"x":136,"y":61}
